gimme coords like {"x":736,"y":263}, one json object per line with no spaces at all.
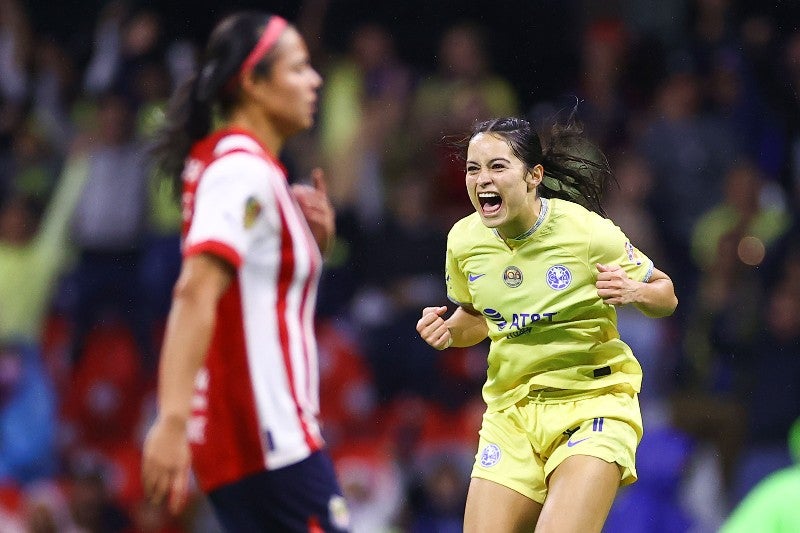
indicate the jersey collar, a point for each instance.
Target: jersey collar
{"x":539,"y":221}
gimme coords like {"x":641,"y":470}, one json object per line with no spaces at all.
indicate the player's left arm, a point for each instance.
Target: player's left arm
{"x":654,"y":297}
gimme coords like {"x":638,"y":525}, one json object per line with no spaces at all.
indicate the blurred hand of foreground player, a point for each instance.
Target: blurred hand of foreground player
{"x":432,"y":328}
{"x":317,"y":209}
{"x":166,"y":460}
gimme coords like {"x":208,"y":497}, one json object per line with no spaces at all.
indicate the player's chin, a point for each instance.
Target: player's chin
{"x":300,"y":124}
{"x":490,"y":221}
{"x":307,"y":122}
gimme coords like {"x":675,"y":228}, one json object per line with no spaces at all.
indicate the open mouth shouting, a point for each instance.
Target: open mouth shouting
{"x":490,"y":203}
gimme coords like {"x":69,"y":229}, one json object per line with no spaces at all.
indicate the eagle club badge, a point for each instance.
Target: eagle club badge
{"x":252,"y":208}
{"x":559,"y":277}
{"x":490,"y":455}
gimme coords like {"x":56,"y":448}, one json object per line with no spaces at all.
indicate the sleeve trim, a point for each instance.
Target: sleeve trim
{"x":649,"y":273}
{"x":216,"y":248}
{"x":455,"y":301}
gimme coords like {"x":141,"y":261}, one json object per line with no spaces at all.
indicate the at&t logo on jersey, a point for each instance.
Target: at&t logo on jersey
{"x":558,"y":277}
{"x":495,"y":316}
{"x":520,"y":322}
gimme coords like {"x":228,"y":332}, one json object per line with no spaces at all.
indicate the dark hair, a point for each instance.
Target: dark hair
{"x":574,"y":168}
{"x":191,"y":109}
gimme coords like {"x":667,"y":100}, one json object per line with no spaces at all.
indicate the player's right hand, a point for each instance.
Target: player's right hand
{"x":166,"y":461}
{"x":432,"y":328}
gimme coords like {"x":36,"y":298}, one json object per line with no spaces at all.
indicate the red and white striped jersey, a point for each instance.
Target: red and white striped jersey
{"x":256,"y":400}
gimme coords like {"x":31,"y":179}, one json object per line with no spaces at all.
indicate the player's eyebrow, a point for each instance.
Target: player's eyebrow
{"x":494,"y":160}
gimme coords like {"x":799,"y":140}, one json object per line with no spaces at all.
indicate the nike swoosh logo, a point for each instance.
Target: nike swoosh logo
{"x":570,"y":443}
{"x":473,"y":277}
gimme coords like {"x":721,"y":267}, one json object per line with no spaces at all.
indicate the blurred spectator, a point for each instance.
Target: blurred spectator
{"x":33,"y":254}
{"x":108,"y":228}
{"x":363,"y":104}
{"x":127,"y":42}
{"x":348,"y":400}
{"x":161,"y":258}
{"x":464,"y":89}
{"x":789,"y":108}
{"x":439,"y":493}
{"x":661,"y":20}
{"x":46,"y":509}
{"x":402,"y":270}
{"x":34,"y":165}
{"x":723,"y":317}
{"x":27,"y":417}
{"x":733,"y":95}
{"x":15,"y":54}
{"x":93,"y":507}
{"x":55,"y":88}
{"x":713,"y":27}
{"x":689,"y":154}
{"x":364,"y":101}
{"x":771,"y":387}
{"x":603,"y":106}
{"x":746,"y":209}
{"x":627,"y":201}
{"x":372,"y":485}
{"x":101,"y":407}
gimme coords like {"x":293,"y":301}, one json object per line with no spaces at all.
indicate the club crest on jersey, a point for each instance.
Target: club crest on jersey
{"x":490,"y":455}
{"x":252,"y":208}
{"x":559,"y":277}
{"x":512,"y":276}
{"x":633,"y":257}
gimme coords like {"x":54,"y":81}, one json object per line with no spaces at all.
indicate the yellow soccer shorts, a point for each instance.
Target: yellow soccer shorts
{"x":520,"y":446}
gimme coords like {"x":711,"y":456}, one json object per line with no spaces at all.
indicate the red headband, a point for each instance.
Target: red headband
{"x":275,"y":26}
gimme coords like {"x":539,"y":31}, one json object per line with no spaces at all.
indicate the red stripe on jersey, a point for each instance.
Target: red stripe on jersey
{"x":234,"y":446}
{"x":314,"y":266}
{"x":284,"y":282}
{"x":216,"y":248}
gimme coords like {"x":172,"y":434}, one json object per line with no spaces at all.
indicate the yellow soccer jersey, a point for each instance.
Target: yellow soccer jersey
{"x":548,"y":326}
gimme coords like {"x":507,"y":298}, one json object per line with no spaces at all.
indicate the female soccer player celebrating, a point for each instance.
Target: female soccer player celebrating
{"x":238,"y":393}
{"x":540,"y":274}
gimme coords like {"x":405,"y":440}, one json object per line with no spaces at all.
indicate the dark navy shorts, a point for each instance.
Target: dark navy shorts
{"x":304,"y":498}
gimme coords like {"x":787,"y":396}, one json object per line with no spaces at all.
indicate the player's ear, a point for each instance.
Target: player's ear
{"x":534,"y":177}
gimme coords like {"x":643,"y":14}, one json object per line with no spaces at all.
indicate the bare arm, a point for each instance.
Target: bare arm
{"x":654,"y":298}
{"x":465,"y":327}
{"x":166,"y":460}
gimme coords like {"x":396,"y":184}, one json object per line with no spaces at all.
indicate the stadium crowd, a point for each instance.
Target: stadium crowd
{"x":697,"y":104}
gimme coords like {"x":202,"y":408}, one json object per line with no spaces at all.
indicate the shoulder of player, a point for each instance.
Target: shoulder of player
{"x":239,"y":155}
{"x":575,"y":216}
